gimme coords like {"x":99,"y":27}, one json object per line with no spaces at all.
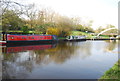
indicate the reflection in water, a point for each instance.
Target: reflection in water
{"x":111,"y":45}
{"x":19,"y":61}
{"x":84,"y":50}
{"x":25,"y":48}
{"x":71,"y":58}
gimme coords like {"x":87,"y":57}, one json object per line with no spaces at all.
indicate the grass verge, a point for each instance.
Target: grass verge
{"x":112,"y":74}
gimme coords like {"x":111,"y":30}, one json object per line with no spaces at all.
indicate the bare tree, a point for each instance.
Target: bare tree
{"x":30,"y":12}
{"x":46,"y":15}
{"x":11,"y":5}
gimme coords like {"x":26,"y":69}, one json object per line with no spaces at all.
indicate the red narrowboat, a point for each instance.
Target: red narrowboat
{"x":13,"y":40}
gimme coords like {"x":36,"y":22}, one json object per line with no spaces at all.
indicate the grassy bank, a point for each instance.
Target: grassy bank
{"x":112,"y":73}
{"x":81,"y":33}
{"x":89,"y":36}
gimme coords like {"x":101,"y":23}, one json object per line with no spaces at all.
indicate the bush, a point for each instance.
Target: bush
{"x":53,"y":31}
{"x":25,"y":29}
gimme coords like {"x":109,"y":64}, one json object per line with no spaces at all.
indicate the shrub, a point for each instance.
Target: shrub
{"x":53,"y":31}
{"x":25,"y":29}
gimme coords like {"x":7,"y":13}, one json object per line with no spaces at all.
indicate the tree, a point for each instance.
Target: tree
{"x":111,"y":31}
{"x":99,"y":29}
{"x":31,"y":14}
{"x":44,"y":20}
{"x":41,"y":29}
{"x":11,"y":21}
{"x":110,"y":26}
{"x":10,"y":14}
{"x":11,"y":5}
{"x":64,"y":24}
{"x":25,"y":29}
{"x":114,"y":31}
{"x":53,"y":31}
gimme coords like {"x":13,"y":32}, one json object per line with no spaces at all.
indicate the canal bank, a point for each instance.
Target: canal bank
{"x":112,"y":73}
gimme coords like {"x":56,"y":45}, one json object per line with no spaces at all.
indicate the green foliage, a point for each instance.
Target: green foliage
{"x":112,"y":73}
{"x":53,"y":31}
{"x":81,"y":33}
{"x":84,"y":28}
{"x":100,"y":29}
{"x":11,"y":21}
{"x":25,"y":29}
{"x":104,"y":36}
{"x":61,"y":37}
{"x":40,"y":29}
{"x":80,"y":28}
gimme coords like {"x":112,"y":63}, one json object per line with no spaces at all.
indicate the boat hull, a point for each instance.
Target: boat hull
{"x":35,"y":42}
{"x":75,"y":40}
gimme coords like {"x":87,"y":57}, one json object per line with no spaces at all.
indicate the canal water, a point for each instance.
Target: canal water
{"x":66,"y":60}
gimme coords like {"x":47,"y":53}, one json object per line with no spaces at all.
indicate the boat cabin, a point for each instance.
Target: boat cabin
{"x":75,"y":37}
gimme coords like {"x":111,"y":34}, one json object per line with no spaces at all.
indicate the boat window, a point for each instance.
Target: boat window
{"x":12,"y":37}
{"x":32,"y":37}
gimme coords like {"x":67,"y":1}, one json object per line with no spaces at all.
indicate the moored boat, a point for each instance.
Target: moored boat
{"x":13,"y":40}
{"x":76,"y":38}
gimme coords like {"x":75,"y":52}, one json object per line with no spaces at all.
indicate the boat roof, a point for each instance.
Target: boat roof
{"x":31,"y":35}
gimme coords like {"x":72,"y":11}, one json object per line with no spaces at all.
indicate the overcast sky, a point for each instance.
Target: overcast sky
{"x":102,"y":12}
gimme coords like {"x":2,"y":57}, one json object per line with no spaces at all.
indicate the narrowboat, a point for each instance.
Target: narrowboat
{"x":13,"y":40}
{"x":76,"y":38}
